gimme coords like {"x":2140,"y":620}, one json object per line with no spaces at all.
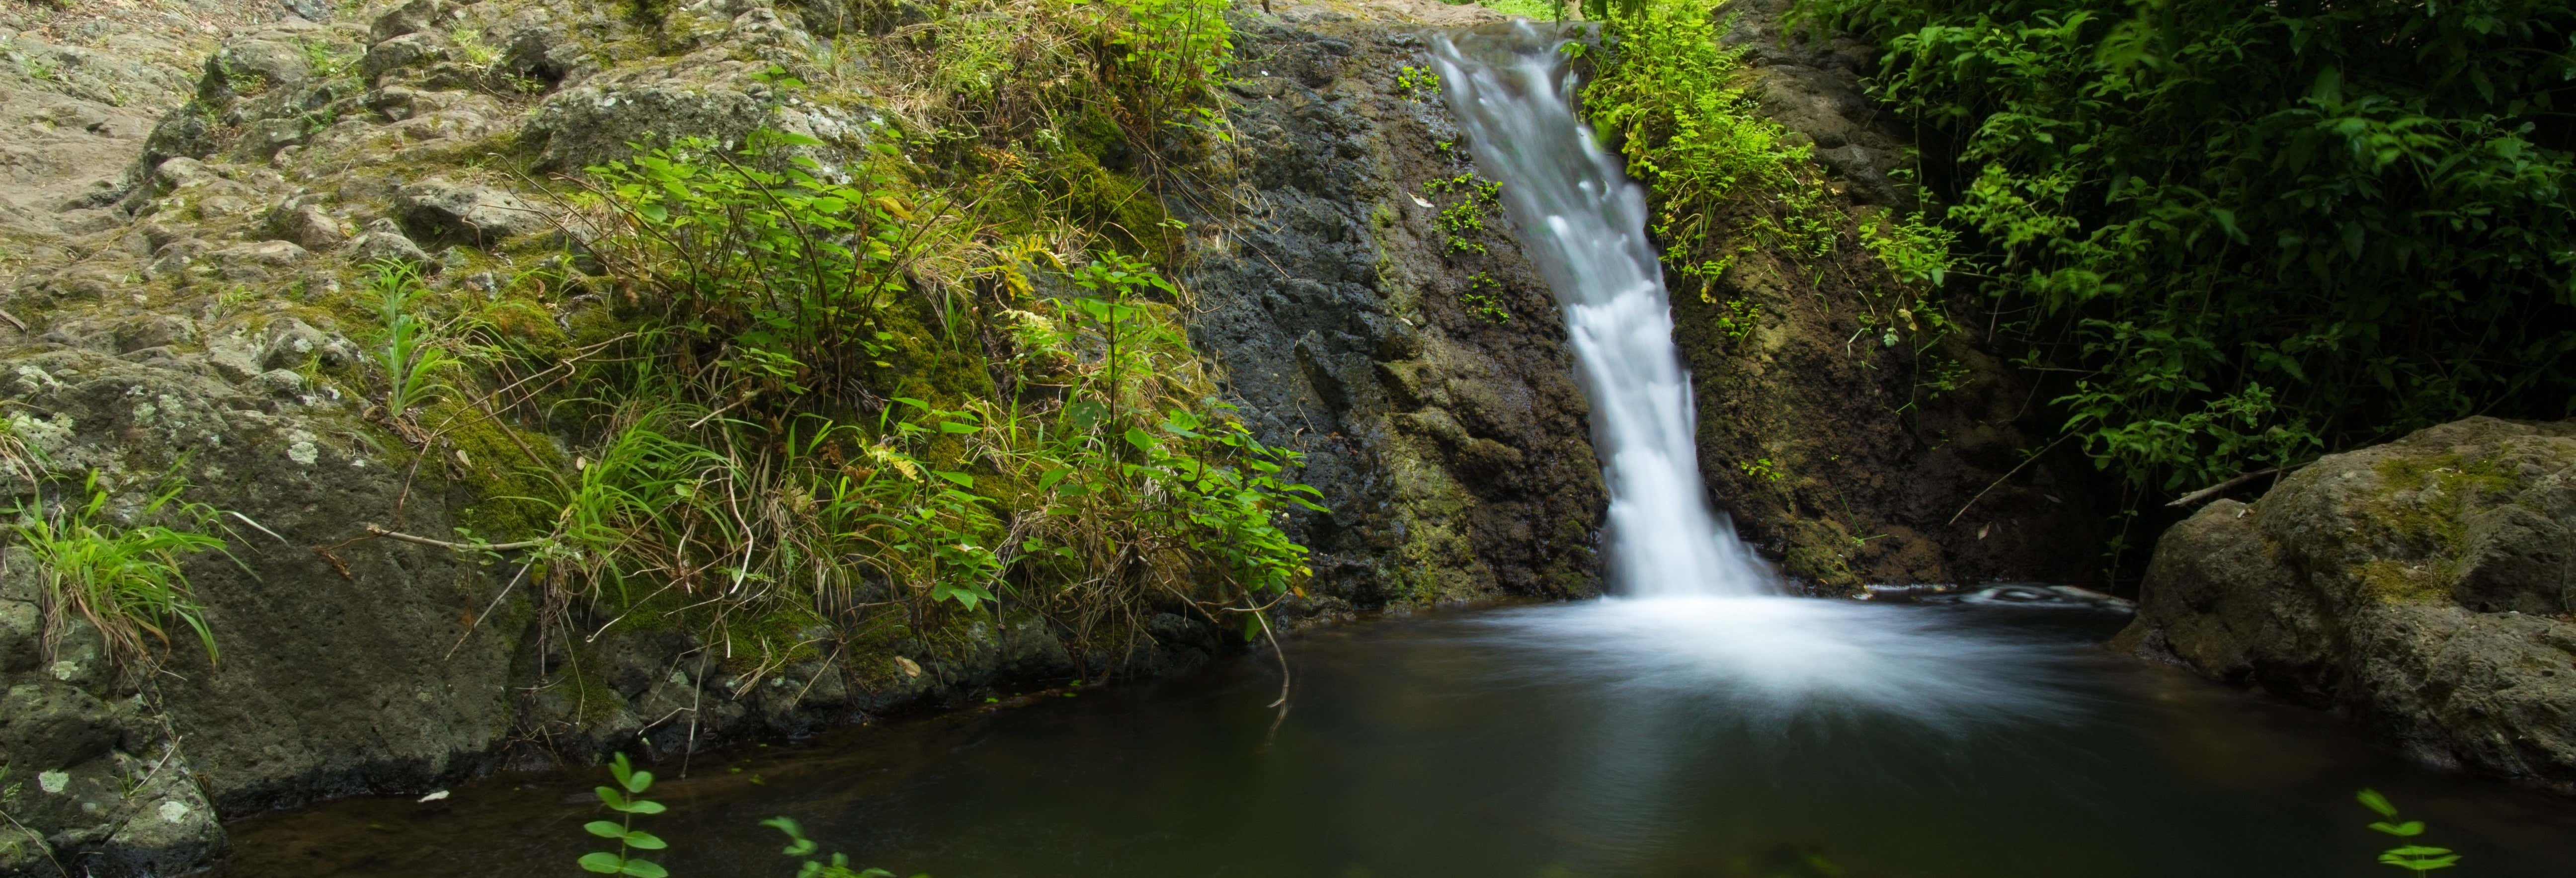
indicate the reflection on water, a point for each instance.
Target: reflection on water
{"x":1610,"y":738}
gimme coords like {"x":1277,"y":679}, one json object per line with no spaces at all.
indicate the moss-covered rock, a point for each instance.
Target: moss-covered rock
{"x":2426,"y":585}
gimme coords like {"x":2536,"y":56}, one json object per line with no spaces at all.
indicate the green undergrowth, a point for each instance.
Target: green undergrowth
{"x":2251,"y":234}
{"x":800,"y":397}
{"x":118,"y":569}
{"x":1729,"y":187}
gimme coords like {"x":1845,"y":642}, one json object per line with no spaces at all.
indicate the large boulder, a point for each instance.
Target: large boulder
{"x":2425,"y":585}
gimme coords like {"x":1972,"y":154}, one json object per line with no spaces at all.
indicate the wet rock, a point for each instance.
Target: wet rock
{"x":2422,"y":585}
{"x":1452,"y":446}
{"x":446,"y":211}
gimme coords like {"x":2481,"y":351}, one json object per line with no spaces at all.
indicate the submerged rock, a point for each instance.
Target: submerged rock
{"x":2424,"y":585}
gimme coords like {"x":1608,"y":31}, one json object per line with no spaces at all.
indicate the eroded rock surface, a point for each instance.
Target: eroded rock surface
{"x":2425,"y":586}
{"x":1428,"y":383}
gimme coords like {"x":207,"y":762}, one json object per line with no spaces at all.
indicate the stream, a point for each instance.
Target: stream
{"x":1699,"y":724}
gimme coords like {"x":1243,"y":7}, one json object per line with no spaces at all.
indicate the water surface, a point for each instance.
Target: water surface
{"x":1569,"y":739}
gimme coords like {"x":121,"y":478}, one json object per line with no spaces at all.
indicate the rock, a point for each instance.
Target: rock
{"x":291,"y":341}
{"x":403,"y":52}
{"x":401,"y":102}
{"x":271,"y":254}
{"x":445,"y":211}
{"x":309,"y":227}
{"x":384,"y":245}
{"x":168,"y":827}
{"x":2423,"y":585}
{"x":48,"y":725}
{"x":579,"y":127}
{"x":309,"y":10}
{"x":253,"y":65}
{"x":414,"y":17}
{"x":22,"y":631}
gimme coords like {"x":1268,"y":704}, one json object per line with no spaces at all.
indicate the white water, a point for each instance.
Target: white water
{"x":1584,"y":225}
{"x":1693,"y":611}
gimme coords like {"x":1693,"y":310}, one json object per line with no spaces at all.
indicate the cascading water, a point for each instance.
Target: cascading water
{"x":1584,"y":224}
{"x":1693,"y":612}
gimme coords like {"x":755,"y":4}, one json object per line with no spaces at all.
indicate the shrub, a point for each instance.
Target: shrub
{"x":2257,"y":232}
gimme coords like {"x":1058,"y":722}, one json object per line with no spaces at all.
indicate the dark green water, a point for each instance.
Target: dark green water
{"x":1536,"y":741}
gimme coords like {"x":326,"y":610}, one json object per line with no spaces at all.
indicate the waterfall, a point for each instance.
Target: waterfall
{"x":1693,"y":615}
{"x":1583,"y":223}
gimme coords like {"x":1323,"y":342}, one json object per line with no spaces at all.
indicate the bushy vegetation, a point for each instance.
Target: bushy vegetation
{"x":890,"y":381}
{"x":1727,"y":182}
{"x":2253,"y":233}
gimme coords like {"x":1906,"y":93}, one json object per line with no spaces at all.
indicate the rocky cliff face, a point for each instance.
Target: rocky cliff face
{"x":2425,"y":586}
{"x":1423,"y":372}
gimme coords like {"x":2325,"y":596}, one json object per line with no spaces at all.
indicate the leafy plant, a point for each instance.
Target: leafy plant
{"x":627,"y":800}
{"x":1742,"y":315}
{"x":1173,"y":59}
{"x":800,"y":846}
{"x":2410,"y":856}
{"x":1478,"y":199}
{"x":410,"y":357}
{"x":2252,"y":233}
{"x":1418,"y":83}
{"x":1762,"y":468}
{"x":776,"y":269}
{"x":1480,"y":301}
{"x":125,"y":579}
{"x":1670,"y":103}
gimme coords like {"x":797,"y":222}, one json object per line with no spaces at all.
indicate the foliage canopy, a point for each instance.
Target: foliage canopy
{"x":2255,"y":232}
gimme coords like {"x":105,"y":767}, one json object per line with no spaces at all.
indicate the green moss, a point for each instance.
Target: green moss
{"x":924,"y":366}
{"x":2421,"y":503}
{"x":585,"y":689}
{"x":779,"y":635}
{"x":497,"y":468}
{"x":1437,"y":558}
{"x":2423,"y":499}
{"x":2397,"y":582}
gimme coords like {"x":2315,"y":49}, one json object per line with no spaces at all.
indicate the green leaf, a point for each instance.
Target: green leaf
{"x":2416,"y":850}
{"x":644,"y":869}
{"x":963,"y":480}
{"x":640,"y":806}
{"x":604,"y":829}
{"x":602,"y":862}
{"x":2372,"y":800}
{"x":1139,"y":438}
{"x":798,"y":845}
{"x":641,"y":840}
{"x":639,"y":782}
{"x":1050,"y":477}
{"x":611,"y":798}
{"x":619,"y":769}
{"x":2402,"y":830}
